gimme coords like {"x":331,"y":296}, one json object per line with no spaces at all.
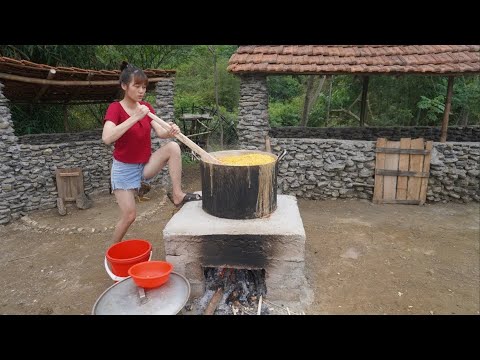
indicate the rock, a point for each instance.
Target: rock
{"x":83,"y":202}
{"x":62,"y":210}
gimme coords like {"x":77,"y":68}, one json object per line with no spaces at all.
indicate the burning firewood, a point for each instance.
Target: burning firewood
{"x":212,"y":306}
{"x":259,"y":311}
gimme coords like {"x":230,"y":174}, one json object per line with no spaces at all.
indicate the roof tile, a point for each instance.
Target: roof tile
{"x":320,"y":59}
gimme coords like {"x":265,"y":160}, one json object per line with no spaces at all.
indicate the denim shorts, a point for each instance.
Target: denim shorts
{"x":126,"y":176}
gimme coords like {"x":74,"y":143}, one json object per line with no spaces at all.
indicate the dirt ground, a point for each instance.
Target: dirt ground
{"x":360,"y":258}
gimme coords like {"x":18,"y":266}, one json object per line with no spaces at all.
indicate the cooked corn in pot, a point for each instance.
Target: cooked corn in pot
{"x":247,"y":159}
{"x":243,"y":186}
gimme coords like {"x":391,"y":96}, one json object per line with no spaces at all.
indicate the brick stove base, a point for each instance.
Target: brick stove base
{"x":194,"y":239}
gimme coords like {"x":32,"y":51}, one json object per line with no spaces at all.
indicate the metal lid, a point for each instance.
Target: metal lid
{"x":126,"y":298}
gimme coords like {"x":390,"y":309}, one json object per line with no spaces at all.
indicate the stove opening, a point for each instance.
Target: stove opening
{"x":230,"y":291}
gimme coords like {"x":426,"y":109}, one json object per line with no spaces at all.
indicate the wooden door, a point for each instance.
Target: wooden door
{"x":402,"y":169}
{"x":69,"y":183}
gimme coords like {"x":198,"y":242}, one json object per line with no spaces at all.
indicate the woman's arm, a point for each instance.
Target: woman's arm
{"x":112,"y":132}
{"x":164,"y":134}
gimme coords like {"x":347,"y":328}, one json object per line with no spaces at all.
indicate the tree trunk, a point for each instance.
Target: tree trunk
{"x":465,"y":118}
{"x":311,"y":95}
{"x":363,"y":106}
{"x":417,"y":119}
{"x":215,"y":74}
{"x":446,"y":113}
{"x":329,"y":99}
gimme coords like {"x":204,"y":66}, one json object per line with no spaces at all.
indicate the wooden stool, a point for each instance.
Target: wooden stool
{"x":70,"y":188}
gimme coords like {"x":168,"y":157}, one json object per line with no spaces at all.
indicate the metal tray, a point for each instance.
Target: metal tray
{"x":126,"y":298}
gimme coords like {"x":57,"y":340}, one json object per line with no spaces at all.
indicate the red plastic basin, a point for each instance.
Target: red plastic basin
{"x":150,"y":274}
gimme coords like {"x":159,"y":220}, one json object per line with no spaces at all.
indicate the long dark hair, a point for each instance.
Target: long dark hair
{"x":130,"y":72}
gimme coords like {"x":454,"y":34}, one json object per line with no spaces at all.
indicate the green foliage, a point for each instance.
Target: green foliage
{"x":195,"y":80}
{"x":393,"y":100}
{"x":229,"y":87}
{"x":434,"y":108}
{"x":466,"y":100}
{"x":185,"y":102}
{"x":228,"y":122}
{"x":188,"y":159}
{"x":318,"y":114}
{"x":283,"y":88}
{"x":143,"y":56}
{"x":285,"y":113}
{"x":28,"y":119}
{"x":82,"y":56}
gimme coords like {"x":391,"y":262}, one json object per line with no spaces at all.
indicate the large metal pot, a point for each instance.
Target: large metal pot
{"x":126,"y":298}
{"x":239,"y":192}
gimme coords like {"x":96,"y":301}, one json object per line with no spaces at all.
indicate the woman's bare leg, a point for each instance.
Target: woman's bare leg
{"x":128,"y":213}
{"x":168,"y":154}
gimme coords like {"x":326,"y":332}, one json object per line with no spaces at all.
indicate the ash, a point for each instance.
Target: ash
{"x":240,"y":289}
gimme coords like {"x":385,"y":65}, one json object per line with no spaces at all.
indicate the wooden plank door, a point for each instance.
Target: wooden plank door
{"x":69,"y":183}
{"x":401,"y":171}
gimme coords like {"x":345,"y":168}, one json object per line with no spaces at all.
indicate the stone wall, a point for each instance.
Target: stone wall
{"x":253,"y":125}
{"x":9,"y":156}
{"x":321,"y":169}
{"x":455,"y":133}
{"x":319,"y":166}
{"x":28,"y":163}
{"x":454,"y":172}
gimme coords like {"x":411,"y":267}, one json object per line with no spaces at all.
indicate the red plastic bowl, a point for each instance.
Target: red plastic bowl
{"x":150,"y":274}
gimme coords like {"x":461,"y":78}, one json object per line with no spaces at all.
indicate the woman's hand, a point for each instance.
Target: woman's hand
{"x":141,"y":111}
{"x":174,"y":129}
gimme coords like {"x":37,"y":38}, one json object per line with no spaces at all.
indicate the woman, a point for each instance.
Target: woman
{"x":127,"y":125}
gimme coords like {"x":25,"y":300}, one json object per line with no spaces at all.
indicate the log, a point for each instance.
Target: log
{"x":212,"y":305}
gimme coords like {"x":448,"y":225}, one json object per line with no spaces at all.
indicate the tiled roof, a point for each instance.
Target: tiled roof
{"x":356,"y":59}
{"x":102,"y":85}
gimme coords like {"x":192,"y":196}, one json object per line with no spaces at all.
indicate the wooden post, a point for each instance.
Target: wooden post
{"x":446,"y":113}
{"x":363,"y":105}
{"x":44,"y":88}
{"x":268,"y":146}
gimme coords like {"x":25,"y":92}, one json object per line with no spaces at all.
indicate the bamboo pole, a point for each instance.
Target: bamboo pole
{"x":202,"y":153}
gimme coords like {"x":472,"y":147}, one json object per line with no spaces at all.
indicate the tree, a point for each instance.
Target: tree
{"x":143,"y":56}
{"x":213,"y":51}
{"x":82,"y":56}
{"x":314,"y":87}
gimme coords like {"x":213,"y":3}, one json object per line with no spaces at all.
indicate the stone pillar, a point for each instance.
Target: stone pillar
{"x":164,"y":109}
{"x":164,"y":92}
{"x":10,"y":203}
{"x":253,"y":125}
